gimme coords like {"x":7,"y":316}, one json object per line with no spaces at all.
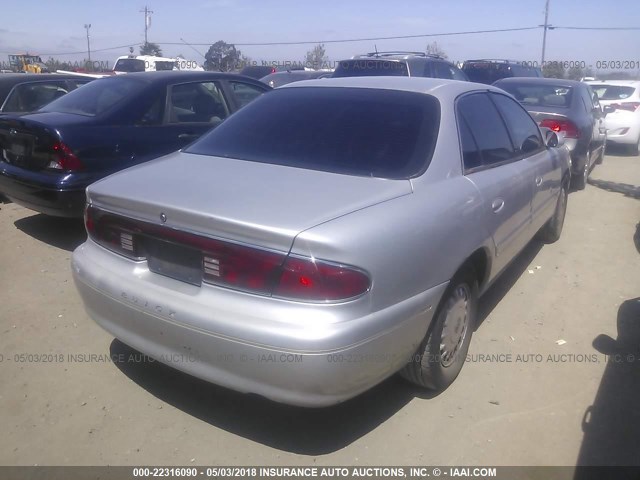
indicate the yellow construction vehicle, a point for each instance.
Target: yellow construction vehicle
{"x":24,"y":62}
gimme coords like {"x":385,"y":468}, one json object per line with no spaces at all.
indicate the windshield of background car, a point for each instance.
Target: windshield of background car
{"x":370,"y":67}
{"x":96,"y":97}
{"x":356,"y":131}
{"x":539,"y":95}
{"x":129,"y":65}
{"x":486,"y":72}
{"x":612,"y":92}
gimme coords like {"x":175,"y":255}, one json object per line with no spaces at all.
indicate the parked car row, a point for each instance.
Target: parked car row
{"x":322,"y":222}
{"x":348,"y":223}
{"x":49,"y":157}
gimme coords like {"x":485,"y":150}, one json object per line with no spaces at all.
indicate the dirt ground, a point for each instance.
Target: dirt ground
{"x":525,"y":397}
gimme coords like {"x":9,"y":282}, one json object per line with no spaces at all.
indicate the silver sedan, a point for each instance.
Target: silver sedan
{"x":326,"y":236}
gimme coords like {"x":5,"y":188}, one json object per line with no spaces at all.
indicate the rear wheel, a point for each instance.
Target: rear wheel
{"x":602,"y":153}
{"x":442,"y":353}
{"x":552,"y":230}
{"x":579,"y":182}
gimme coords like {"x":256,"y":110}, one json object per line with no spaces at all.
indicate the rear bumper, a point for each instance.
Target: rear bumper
{"x":48,"y":199}
{"x":624,"y":133}
{"x":299,"y":354}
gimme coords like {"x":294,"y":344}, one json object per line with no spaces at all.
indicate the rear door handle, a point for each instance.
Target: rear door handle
{"x":497,"y":205}
{"x":538,"y":181}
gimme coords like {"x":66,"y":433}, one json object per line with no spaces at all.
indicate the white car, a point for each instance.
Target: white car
{"x":623,"y":125}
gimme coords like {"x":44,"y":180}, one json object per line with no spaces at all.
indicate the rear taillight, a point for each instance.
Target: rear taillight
{"x":314,"y":280}
{"x":629,"y":106}
{"x":62,"y":158}
{"x":232,"y":265}
{"x":567,"y":127}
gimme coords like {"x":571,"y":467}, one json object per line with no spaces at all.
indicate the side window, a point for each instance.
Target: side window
{"x":487,"y":128}
{"x":429,"y":70}
{"x":154,"y":113}
{"x":586,"y":99}
{"x":458,"y":74}
{"x":524,"y":131}
{"x":442,"y":70}
{"x":470,"y":151}
{"x":245,"y":93}
{"x":29,"y":97}
{"x":197,"y":102}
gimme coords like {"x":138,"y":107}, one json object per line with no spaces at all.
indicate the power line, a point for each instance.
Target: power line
{"x":348,"y":40}
{"x":597,"y":28}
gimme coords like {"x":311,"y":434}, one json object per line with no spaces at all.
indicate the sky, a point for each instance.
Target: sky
{"x":57,"y":28}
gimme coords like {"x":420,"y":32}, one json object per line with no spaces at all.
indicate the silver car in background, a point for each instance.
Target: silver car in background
{"x":324,"y":237}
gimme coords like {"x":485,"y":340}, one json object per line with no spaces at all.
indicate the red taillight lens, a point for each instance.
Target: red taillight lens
{"x":64,"y":158}
{"x":567,"y":127}
{"x":232,"y":265}
{"x":308,"y":279}
{"x":629,"y":106}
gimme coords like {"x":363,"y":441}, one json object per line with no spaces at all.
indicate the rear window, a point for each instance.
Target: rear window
{"x":371,"y":68}
{"x":129,"y":65}
{"x":355,"y":131}
{"x":613,"y":92}
{"x":486,"y":72}
{"x":96,"y":97}
{"x":539,"y":95}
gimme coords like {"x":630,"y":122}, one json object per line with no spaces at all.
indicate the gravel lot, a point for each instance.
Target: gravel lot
{"x":522,"y":399}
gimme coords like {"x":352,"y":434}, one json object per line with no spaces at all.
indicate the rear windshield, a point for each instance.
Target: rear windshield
{"x":371,"y":68}
{"x":129,"y":65}
{"x":96,"y":97}
{"x":355,"y":131}
{"x":613,"y":92}
{"x":486,"y":72}
{"x":539,"y":95}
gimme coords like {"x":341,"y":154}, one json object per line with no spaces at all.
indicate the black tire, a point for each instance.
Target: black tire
{"x":602,"y":153}
{"x":435,"y":366}
{"x":579,"y":181}
{"x":552,"y":230}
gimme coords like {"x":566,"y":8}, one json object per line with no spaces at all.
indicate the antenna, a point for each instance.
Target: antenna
{"x":376,"y":49}
{"x":192,"y":48}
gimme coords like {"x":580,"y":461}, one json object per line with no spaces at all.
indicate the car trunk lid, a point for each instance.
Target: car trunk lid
{"x":242,"y":201}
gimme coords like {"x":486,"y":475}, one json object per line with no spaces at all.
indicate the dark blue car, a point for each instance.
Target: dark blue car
{"x":49,"y":157}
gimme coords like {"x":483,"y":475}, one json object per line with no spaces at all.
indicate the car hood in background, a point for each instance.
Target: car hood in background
{"x":250,"y":202}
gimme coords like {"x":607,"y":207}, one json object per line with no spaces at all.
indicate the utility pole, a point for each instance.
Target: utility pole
{"x":87,"y":26}
{"x":544,"y":35}
{"x":147,"y":21}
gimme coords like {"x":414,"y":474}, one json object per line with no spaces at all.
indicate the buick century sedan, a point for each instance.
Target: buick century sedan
{"x":324,"y":237}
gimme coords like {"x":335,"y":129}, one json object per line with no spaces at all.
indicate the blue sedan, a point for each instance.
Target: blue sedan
{"x":49,"y":157}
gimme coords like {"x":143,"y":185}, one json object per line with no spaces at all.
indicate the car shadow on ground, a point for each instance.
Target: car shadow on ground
{"x":293,"y":429}
{"x":64,"y":233}
{"x":611,"y":425}
{"x":626,"y":189}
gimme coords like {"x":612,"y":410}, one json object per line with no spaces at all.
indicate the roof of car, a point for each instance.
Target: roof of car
{"x":629,"y":83}
{"x":180,"y":75}
{"x":561,"y":82}
{"x":434,"y":86}
{"x":9,"y":80}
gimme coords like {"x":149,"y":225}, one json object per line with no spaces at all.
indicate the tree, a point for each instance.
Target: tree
{"x":316,"y":57}
{"x":575,"y":73}
{"x":150,"y":48}
{"x":553,"y":69}
{"x":434,"y":49}
{"x":222,"y":57}
{"x":245,"y":61}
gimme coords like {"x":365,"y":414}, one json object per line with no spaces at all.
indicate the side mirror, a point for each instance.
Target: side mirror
{"x":551,"y":138}
{"x":607,"y":109}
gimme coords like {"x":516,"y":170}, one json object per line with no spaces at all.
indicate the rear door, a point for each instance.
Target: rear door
{"x":491,"y":163}
{"x":540,"y":169}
